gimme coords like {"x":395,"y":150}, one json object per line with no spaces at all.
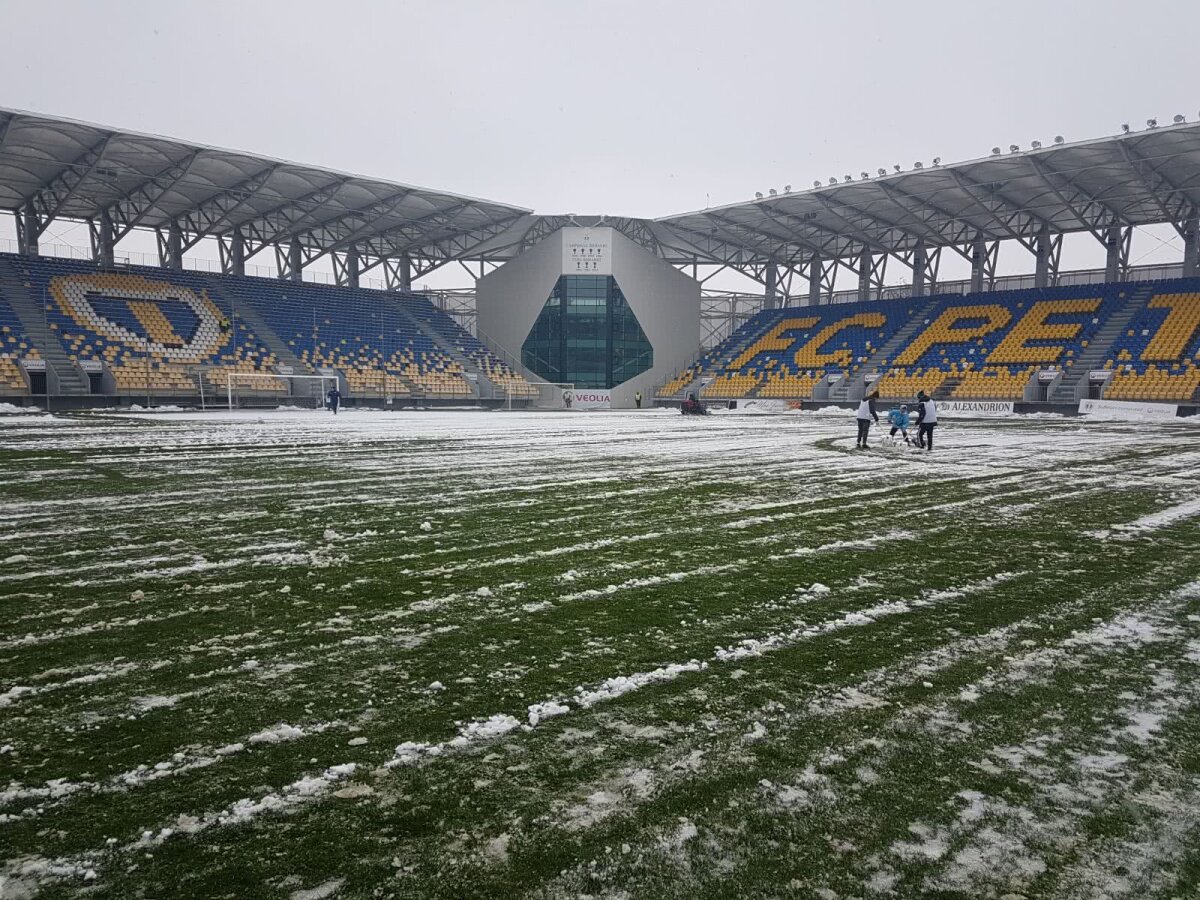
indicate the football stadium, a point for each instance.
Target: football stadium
{"x":318,"y":582}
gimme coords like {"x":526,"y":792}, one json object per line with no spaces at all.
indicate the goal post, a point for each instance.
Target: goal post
{"x":540,"y":395}
{"x":278,"y":386}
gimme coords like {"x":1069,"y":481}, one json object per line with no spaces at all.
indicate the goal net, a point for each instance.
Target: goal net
{"x":540,"y":395}
{"x":244,"y":389}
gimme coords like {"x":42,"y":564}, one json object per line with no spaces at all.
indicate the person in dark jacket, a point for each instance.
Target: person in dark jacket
{"x":926,"y":420}
{"x":692,"y":407}
{"x":866,"y":412}
{"x":334,"y":399}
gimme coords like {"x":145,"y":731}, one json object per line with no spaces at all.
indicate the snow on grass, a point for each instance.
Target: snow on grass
{"x":808,"y":673}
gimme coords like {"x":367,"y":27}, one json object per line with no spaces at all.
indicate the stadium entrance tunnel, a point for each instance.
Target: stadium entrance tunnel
{"x":587,"y":334}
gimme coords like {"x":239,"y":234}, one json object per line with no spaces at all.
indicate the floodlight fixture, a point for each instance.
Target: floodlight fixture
{"x":995,"y":151}
{"x":937,"y":160}
{"x":833,"y":181}
{"x":1152,"y":123}
{"x":918,"y":165}
{"x":758,"y":195}
{"x":1036,"y":145}
{"x":1125,"y":127}
{"x":847,"y":178}
{"x":1179,"y":120}
{"x":816,"y":184}
{"x":865,"y":175}
{"x":773,"y":192}
{"x":1059,"y":139}
{"x":882,"y":172}
{"x":1013,"y":148}
{"x":787,"y":188}
{"x":896,"y":166}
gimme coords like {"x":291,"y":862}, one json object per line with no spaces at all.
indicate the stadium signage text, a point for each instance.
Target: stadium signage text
{"x":976,"y":408}
{"x":587,"y":251}
{"x":1127,"y":409}
{"x":591,"y":399}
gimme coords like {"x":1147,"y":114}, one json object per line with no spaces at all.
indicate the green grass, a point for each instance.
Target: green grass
{"x":1021,"y":719}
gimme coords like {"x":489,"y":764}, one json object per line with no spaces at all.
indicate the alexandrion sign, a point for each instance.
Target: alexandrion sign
{"x":983,"y":408}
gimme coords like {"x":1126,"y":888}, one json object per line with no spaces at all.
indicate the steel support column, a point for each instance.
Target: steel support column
{"x":1191,"y":247}
{"x":102,"y":240}
{"x":865,"y":262}
{"x":295,"y":261}
{"x":978,"y":263}
{"x":1041,"y":272}
{"x":771,"y":281}
{"x":919,"y":265}
{"x":174,"y":255}
{"x":405,"y":273}
{"x":28,"y":234}
{"x":1114,"y":241}
{"x":237,"y":253}
{"x":815,"y":268}
{"x":352,"y":265}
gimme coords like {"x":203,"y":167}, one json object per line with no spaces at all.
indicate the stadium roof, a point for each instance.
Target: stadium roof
{"x":118,"y":180}
{"x":1141,"y":178}
{"x":78,"y":171}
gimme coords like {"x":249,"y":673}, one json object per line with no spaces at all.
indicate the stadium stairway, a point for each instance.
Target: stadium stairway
{"x":1067,"y":389}
{"x":443,"y":342}
{"x":946,"y":389}
{"x":250,"y":316}
{"x":33,"y":318}
{"x":746,"y":334}
{"x":846,"y":388}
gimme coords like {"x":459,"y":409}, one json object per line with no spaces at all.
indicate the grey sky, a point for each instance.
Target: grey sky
{"x":632,"y":108}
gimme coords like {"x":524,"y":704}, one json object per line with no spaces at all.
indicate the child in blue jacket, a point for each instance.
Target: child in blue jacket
{"x":899,"y":420}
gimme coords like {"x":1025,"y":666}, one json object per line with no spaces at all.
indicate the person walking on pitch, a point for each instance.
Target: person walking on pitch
{"x":926,"y":420}
{"x":866,"y":412}
{"x":334,"y":399}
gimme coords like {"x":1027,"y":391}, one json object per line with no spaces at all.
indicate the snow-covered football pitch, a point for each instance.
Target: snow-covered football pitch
{"x":604,"y":655}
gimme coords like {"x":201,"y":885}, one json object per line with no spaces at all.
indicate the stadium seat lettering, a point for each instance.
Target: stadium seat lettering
{"x":949,"y":328}
{"x":1015,"y":348}
{"x":1177,"y":330}
{"x":810,"y":355}
{"x":773,"y":340}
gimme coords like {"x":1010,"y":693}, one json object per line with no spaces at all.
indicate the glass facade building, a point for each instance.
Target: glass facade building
{"x":587,"y":334}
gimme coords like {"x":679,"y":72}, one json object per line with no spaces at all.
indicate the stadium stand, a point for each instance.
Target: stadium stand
{"x":989,"y":347}
{"x":150,"y":329}
{"x":442,"y":325}
{"x":14,"y":346}
{"x":372,"y":340}
{"x":711,"y":360}
{"x":979,"y":347}
{"x":785,"y":353}
{"x":159,"y":330}
{"x":1158,"y":356}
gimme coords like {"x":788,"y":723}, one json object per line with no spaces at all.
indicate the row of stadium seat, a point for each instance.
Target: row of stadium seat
{"x":149,"y":332}
{"x":978,"y":347}
{"x":793,"y":349}
{"x":494,"y":369}
{"x":160,"y":330}
{"x":14,"y":346}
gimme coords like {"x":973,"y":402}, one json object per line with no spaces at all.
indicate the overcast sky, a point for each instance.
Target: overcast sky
{"x":632,"y":108}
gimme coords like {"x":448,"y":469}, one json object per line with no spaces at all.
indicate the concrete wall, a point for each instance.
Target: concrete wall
{"x":508,"y":300}
{"x":665,"y":301}
{"x":667,"y":305}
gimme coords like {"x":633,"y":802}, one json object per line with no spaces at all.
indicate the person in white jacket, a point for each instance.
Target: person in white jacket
{"x":866,"y":412}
